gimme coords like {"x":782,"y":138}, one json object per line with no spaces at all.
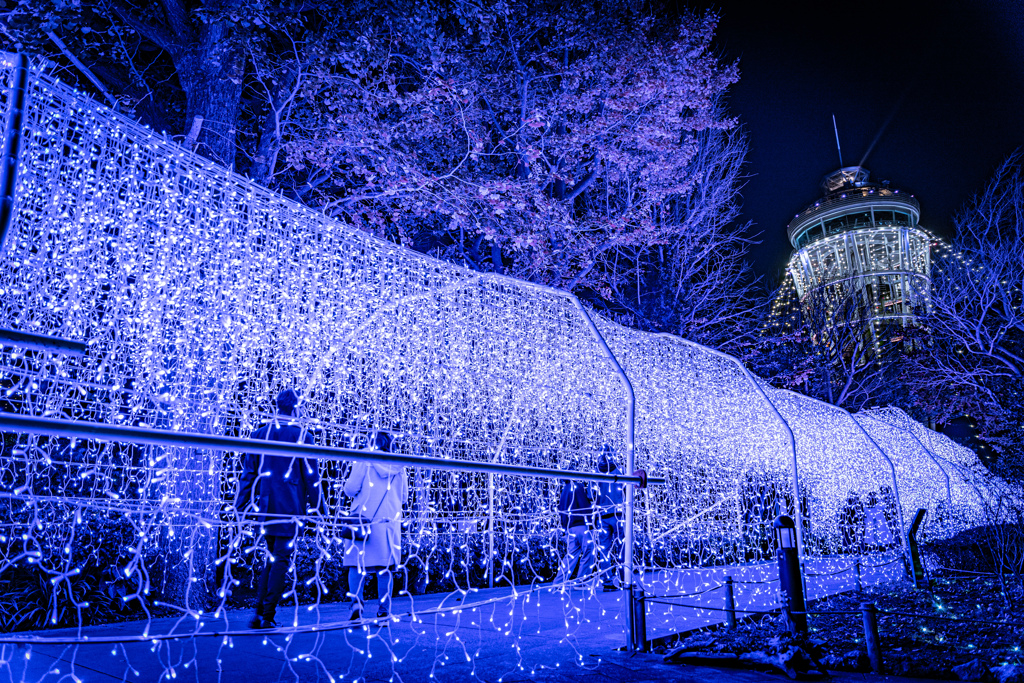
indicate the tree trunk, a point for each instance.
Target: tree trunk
{"x":211,"y":73}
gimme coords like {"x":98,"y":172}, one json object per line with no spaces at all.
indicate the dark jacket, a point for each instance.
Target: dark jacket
{"x":575,"y":504}
{"x":285,"y":486}
{"x":610,"y":496}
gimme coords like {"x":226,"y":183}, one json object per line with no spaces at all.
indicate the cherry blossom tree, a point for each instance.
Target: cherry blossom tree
{"x":588,"y":150}
{"x":584,"y":146}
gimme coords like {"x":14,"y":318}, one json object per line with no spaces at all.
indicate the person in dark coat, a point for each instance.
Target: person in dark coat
{"x":611,"y":522}
{"x":576,"y":515}
{"x":278,"y":489}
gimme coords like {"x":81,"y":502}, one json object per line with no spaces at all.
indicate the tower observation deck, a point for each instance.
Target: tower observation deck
{"x":861,"y":245}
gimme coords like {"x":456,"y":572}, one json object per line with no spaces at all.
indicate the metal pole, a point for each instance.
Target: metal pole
{"x":871,"y":639}
{"x":490,"y":529}
{"x":41,"y":342}
{"x":730,"y":603}
{"x":12,"y":145}
{"x":27,"y":424}
{"x":637,"y":618}
{"x":627,"y":540}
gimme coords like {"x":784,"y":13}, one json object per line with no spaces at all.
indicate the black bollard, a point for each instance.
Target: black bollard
{"x":867,"y":609}
{"x":790,"y":579}
{"x":916,"y":565}
{"x":730,"y":603}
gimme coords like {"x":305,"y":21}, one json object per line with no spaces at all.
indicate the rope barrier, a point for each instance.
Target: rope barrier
{"x":882,"y":613}
{"x":841,"y":571}
{"x":884,"y":564}
{"x":966,"y":571}
{"x":715,"y":609}
{"x":686,"y":595}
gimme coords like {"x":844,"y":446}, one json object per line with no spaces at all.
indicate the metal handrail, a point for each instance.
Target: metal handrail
{"x":146,"y":436}
{"x":41,"y":342}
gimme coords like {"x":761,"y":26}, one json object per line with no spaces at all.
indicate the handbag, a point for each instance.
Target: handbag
{"x":357,"y":527}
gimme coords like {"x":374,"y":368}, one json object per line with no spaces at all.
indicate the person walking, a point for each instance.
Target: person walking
{"x":279,"y":490}
{"x":378,"y":491}
{"x":611,"y":523}
{"x":576,"y":515}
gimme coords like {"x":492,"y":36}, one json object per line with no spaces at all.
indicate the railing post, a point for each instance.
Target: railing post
{"x":490,"y":529}
{"x":860,"y":583}
{"x":637,"y":619}
{"x":730,"y":603}
{"x":874,"y":644}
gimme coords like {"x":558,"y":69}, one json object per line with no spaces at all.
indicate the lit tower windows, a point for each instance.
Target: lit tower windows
{"x":860,"y":247}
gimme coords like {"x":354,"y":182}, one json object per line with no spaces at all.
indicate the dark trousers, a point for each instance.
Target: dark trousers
{"x":270,"y":585}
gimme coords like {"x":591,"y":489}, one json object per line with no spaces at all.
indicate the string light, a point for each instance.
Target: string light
{"x":200,"y":295}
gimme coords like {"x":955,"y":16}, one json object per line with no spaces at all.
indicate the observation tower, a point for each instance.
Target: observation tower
{"x":860,"y":257}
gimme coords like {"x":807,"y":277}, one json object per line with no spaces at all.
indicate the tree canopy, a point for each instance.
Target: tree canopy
{"x":580,"y":145}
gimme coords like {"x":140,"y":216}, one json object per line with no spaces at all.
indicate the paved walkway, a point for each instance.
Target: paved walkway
{"x":548,"y":633}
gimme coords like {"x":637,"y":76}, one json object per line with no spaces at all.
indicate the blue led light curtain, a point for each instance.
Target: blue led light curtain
{"x":201,"y":295}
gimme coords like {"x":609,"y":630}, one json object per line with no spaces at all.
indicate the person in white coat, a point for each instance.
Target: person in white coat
{"x":378,"y":491}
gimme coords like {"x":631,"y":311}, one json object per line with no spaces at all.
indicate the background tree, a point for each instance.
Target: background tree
{"x":826,"y":347}
{"x":974,"y":359}
{"x":585,"y":146}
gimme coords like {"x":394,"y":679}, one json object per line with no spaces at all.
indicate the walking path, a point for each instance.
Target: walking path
{"x":500,"y":635}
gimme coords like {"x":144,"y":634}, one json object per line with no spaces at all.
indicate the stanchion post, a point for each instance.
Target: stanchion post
{"x":871,"y":639}
{"x":637,"y":618}
{"x":730,"y":603}
{"x":860,"y":583}
{"x":790,"y":578}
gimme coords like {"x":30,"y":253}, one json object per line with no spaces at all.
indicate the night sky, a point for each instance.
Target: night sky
{"x":934,"y":100}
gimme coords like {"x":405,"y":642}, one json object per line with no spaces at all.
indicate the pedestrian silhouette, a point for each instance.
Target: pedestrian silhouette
{"x":576,"y":515}
{"x":378,"y":492}
{"x":282,"y":491}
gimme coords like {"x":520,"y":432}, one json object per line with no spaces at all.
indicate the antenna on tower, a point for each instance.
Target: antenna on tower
{"x":836,"y":129}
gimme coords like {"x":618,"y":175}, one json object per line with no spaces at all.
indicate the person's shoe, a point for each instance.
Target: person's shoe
{"x":269,"y":624}
{"x":609,"y":588}
{"x":384,"y":616}
{"x":256,"y":622}
{"x":356,"y":615}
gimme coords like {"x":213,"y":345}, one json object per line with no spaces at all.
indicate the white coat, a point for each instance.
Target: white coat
{"x":378,"y":491}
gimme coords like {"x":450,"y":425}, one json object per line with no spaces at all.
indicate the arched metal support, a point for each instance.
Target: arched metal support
{"x":892,"y":469}
{"x":636,"y":638}
{"x":794,"y":468}
{"x":12,"y":143}
{"x":949,"y":488}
